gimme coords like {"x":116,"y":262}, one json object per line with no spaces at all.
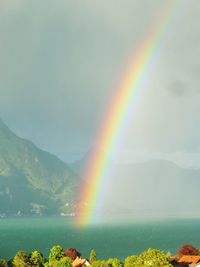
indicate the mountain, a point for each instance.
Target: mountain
{"x":156,"y":188}
{"x":33,"y":181}
{"x":150,"y":189}
{"x":79,"y":166}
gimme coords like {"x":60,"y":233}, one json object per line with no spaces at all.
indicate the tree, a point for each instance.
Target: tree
{"x":114,"y":262}
{"x":130,"y":261}
{"x":72,"y":253}
{"x":99,"y":263}
{"x":64,"y":262}
{"x":56,"y":253}
{"x":107,"y":263}
{"x":3,"y":263}
{"x":152,"y":258}
{"x":20,"y":259}
{"x":36,"y":258}
{"x":187,"y":249}
{"x":93,"y":256}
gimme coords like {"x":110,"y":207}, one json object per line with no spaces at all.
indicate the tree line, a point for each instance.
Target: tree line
{"x":72,"y":258}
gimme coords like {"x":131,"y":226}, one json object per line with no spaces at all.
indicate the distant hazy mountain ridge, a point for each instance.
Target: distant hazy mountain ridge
{"x":33,"y":181}
{"x":149,"y":189}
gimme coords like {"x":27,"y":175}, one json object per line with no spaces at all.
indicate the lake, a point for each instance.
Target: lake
{"x":41,"y":234}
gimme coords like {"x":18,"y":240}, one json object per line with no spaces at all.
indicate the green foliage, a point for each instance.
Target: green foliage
{"x":52,"y":263}
{"x":130,"y":261}
{"x":152,"y":258}
{"x":100,"y":263}
{"x":46,"y":264}
{"x":3,"y":263}
{"x":93,"y":256}
{"x":20,"y":259}
{"x":36,"y":258}
{"x":43,"y":178}
{"x":114,"y":263}
{"x":107,"y":263}
{"x":64,"y":262}
{"x":56,"y":253}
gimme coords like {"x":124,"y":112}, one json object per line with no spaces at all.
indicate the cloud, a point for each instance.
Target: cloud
{"x":178,"y":88}
{"x":61,"y":61}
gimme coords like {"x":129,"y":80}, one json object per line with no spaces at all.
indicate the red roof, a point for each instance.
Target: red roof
{"x":189,"y":259}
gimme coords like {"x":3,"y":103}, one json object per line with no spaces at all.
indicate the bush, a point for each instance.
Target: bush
{"x":64,"y":262}
{"x":56,"y":253}
{"x":130,"y":261}
{"x":46,"y":264}
{"x":100,"y":263}
{"x":36,"y":258}
{"x":114,"y":263}
{"x":152,"y":258}
{"x":107,"y":263}
{"x":93,"y":256}
{"x":3,"y":263}
{"x":20,"y":259}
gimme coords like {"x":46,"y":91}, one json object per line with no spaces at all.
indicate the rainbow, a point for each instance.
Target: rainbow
{"x":123,"y":105}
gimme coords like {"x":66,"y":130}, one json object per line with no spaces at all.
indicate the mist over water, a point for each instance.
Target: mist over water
{"x":150,"y":190}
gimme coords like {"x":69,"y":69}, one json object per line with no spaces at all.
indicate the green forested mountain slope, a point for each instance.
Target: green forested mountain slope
{"x":33,"y":181}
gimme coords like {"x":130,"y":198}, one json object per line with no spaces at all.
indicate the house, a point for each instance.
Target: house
{"x":192,"y":261}
{"x":79,"y":262}
{"x":177,"y":264}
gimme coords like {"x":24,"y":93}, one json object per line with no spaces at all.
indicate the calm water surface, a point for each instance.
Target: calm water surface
{"x":109,"y":241}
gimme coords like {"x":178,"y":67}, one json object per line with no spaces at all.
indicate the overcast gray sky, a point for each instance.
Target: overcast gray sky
{"x":61,"y":61}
